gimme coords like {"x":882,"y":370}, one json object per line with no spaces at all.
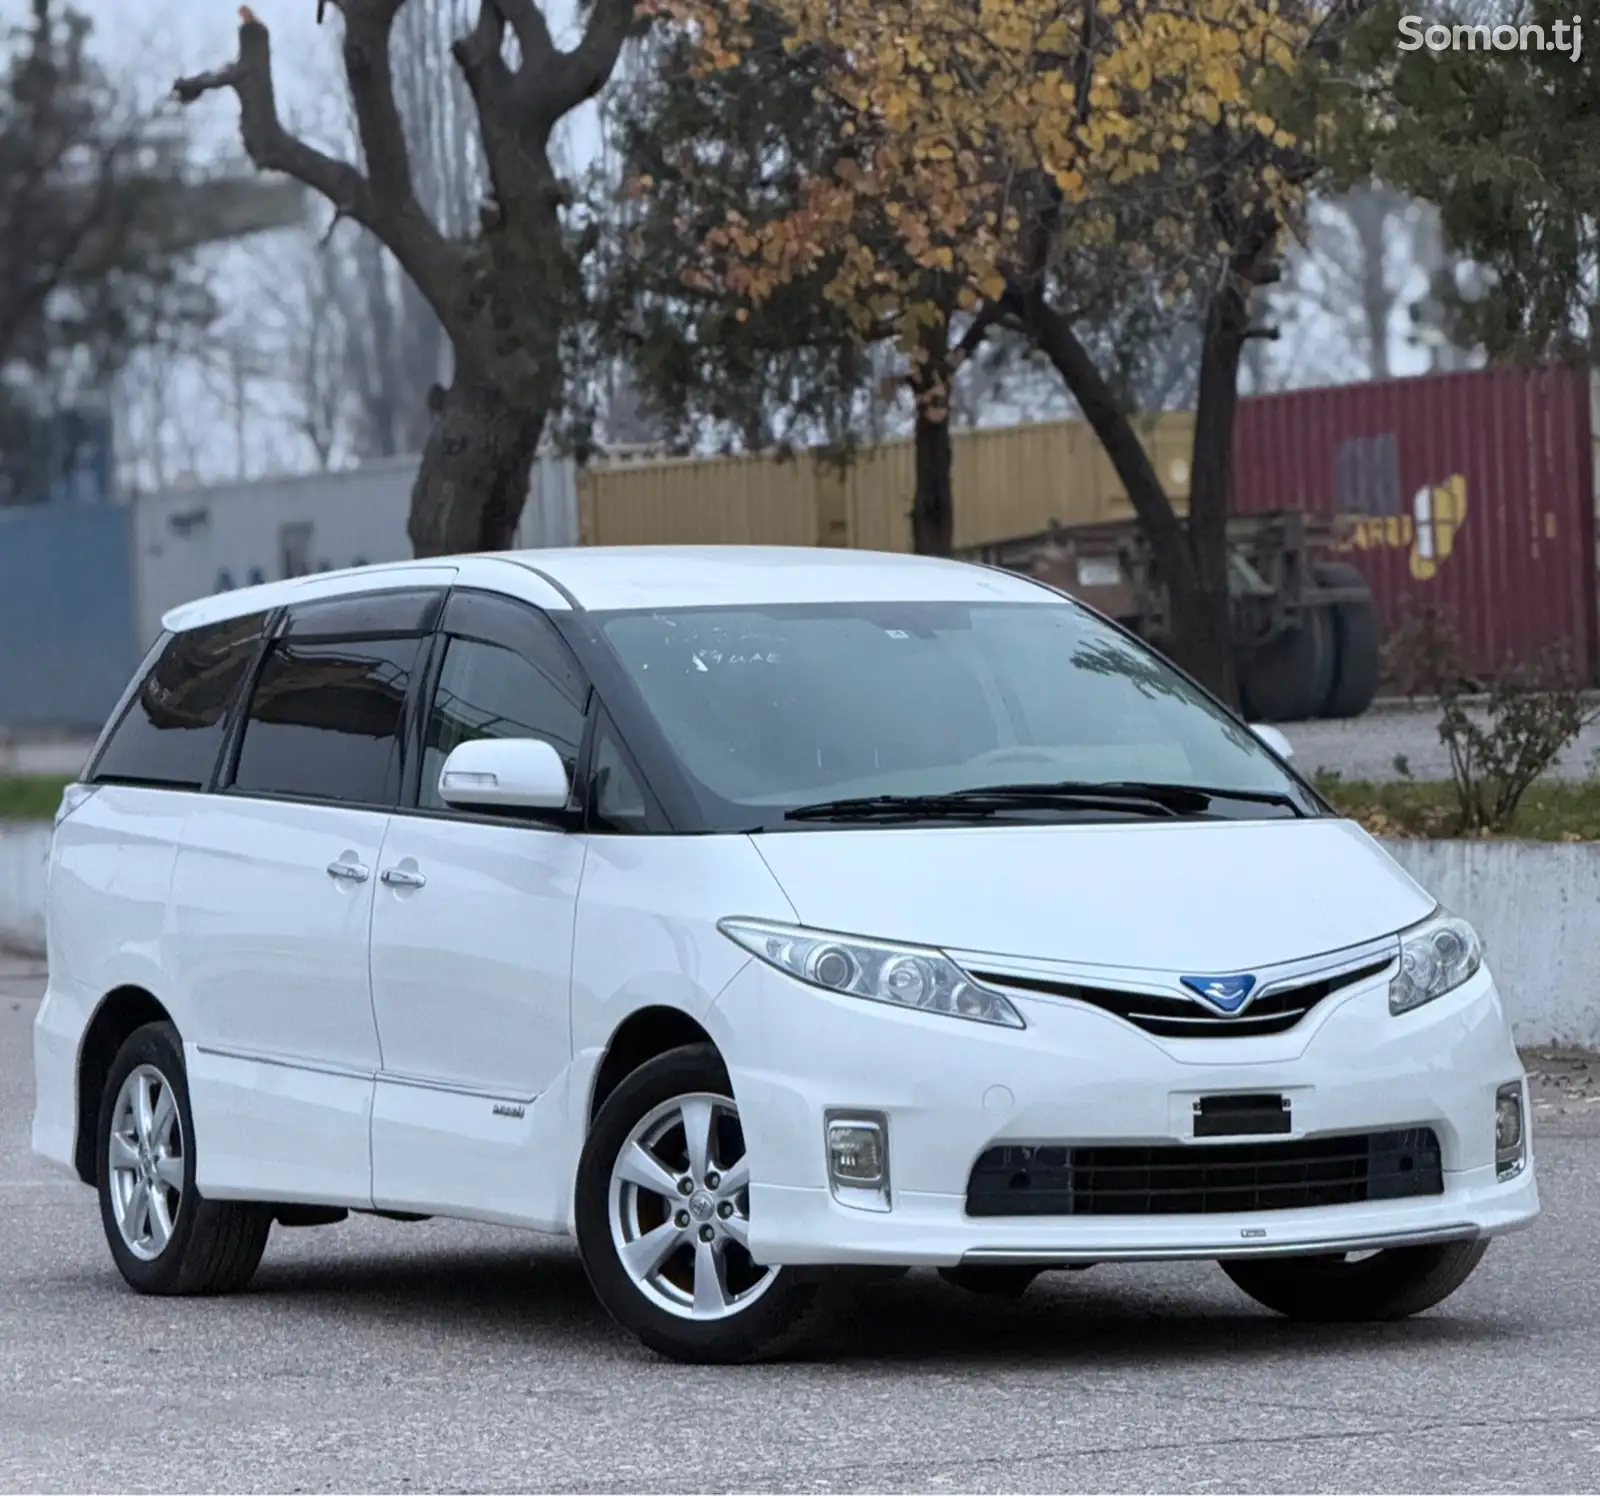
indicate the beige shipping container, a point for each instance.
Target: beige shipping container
{"x":1009,"y":481}
{"x":703,"y":501}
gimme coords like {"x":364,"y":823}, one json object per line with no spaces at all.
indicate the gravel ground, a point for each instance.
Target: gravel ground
{"x":1365,"y":748}
{"x":440,"y":1356}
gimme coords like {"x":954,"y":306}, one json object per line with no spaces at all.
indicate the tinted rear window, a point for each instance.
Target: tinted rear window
{"x":326,"y":722}
{"x":173,"y":727}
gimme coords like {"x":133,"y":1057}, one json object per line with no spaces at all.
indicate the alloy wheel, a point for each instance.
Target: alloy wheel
{"x":145,"y":1154}
{"x":679,"y":1207}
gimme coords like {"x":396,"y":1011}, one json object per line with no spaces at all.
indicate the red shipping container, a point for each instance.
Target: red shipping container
{"x":1472,"y":494}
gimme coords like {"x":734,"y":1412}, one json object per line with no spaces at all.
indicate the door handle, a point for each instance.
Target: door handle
{"x":349,"y":872}
{"x":399,"y":877}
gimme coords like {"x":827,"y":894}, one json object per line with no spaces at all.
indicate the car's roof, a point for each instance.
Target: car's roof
{"x":607,"y":578}
{"x":678,"y":576}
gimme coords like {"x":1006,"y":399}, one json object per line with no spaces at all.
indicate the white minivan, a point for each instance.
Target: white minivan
{"x":768,"y":918}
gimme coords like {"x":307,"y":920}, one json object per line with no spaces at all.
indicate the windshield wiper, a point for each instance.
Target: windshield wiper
{"x":1200,"y":795}
{"x":1125,"y":796}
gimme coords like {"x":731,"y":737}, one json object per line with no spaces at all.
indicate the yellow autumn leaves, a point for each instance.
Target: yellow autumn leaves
{"x":968,"y":123}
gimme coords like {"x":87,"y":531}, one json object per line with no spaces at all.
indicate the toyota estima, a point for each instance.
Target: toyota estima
{"x":753,"y":914}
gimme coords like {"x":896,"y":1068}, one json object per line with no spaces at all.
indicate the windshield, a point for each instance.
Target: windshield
{"x":776,"y":708}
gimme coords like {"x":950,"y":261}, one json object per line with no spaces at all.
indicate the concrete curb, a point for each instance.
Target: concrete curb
{"x":24,"y":846}
{"x":1393,"y":705}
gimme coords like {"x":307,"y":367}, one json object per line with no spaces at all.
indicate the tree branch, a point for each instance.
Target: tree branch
{"x":517,"y":173}
{"x":367,"y":27}
{"x":1055,"y":337}
{"x":977,"y":330}
{"x":531,"y":30}
{"x":424,"y":253}
{"x":580,"y":74}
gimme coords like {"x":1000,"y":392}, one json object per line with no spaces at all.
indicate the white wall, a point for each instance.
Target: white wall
{"x":1536,"y":905}
{"x":24,"y":845}
{"x":192,"y":542}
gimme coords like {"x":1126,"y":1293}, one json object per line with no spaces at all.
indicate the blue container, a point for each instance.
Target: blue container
{"x":67,"y":632}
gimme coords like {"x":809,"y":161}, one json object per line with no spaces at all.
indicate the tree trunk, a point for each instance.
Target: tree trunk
{"x":1201,"y":616}
{"x":473,"y":480}
{"x":1200,"y":637}
{"x":933,"y":518}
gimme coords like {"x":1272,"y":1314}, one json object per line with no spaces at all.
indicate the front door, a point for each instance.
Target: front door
{"x":472,"y":934}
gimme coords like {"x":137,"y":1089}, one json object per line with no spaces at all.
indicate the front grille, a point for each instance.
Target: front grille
{"x":1205,"y":1179}
{"x":1180,"y":1018}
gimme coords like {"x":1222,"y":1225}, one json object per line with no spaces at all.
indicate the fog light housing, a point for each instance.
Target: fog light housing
{"x":1510,"y":1132}
{"x":858,"y":1158}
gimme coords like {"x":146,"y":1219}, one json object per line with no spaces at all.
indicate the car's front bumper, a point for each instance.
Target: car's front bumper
{"x":951,"y":1089}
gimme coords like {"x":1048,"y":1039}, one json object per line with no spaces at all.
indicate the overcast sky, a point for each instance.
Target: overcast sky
{"x":154,"y":41}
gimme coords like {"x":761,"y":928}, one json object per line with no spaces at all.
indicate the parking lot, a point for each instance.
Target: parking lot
{"x":448,"y":1357}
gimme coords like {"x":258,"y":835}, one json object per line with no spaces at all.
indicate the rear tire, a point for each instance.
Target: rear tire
{"x":1389,"y":1285}
{"x":164,"y":1238}
{"x":1289,"y":680}
{"x":1358,"y":646}
{"x":668,"y":1261}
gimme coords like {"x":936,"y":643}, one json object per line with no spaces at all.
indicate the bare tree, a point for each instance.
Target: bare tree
{"x":89,"y":270}
{"x":302,"y":313}
{"x":1358,"y":288}
{"x":507,"y":295}
{"x":397,"y":349}
{"x":160,"y":443}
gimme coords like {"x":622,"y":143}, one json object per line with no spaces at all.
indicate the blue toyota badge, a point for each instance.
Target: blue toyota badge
{"x":1225,"y":994}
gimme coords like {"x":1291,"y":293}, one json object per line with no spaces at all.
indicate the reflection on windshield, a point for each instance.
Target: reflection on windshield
{"x":772,"y":708}
{"x":1152,"y":677}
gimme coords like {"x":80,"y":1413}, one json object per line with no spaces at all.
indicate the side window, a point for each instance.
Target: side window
{"x":616,"y":803}
{"x":327,"y":722}
{"x":487,"y":691}
{"x":173,"y":727}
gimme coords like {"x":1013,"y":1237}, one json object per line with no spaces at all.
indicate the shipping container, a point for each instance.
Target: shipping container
{"x":1473,"y":495}
{"x":1008,"y":481}
{"x":710,"y":501}
{"x":189,"y":543}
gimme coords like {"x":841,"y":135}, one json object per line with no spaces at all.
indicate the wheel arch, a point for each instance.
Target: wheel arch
{"x":642,"y":1036}
{"x":121,"y":1011}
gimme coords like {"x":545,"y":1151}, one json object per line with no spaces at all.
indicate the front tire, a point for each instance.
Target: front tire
{"x":662,"y":1216}
{"x":163,"y":1237}
{"x":1389,"y":1285}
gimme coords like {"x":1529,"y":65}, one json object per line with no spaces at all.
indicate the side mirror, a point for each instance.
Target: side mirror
{"x":505,"y":774}
{"x":1273,"y":739}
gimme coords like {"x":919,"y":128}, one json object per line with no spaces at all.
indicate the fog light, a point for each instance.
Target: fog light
{"x":1510,"y":1132}
{"x":858,"y":1158}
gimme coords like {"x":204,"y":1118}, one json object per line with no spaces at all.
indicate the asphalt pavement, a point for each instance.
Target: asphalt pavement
{"x":445,"y":1357}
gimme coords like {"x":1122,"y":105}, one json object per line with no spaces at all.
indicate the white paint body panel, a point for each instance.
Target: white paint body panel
{"x":1195,"y":896}
{"x":471,"y":983}
{"x":434,"y":1048}
{"x":267,"y":978}
{"x":1075,"y":1073}
{"x":105,"y":928}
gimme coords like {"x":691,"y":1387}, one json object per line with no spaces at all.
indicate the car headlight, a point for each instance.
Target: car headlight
{"x":908,"y":976}
{"x":1436,"y":957}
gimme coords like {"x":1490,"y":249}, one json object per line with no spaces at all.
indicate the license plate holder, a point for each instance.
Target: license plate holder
{"x":1263,"y":1114}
